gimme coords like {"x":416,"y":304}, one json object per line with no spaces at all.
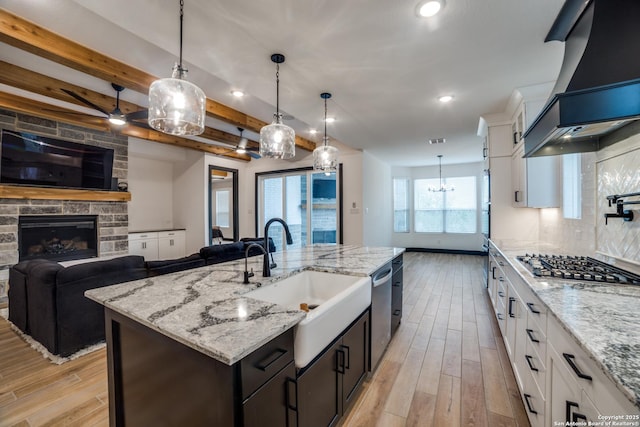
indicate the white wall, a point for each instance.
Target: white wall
{"x":150,"y":180}
{"x":377,"y":201}
{"x":470,"y":242}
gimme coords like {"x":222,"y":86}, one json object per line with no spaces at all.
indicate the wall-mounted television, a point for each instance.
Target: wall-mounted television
{"x":30,"y":159}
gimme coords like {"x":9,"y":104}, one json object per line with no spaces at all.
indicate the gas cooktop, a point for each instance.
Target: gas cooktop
{"x":576,"y":268}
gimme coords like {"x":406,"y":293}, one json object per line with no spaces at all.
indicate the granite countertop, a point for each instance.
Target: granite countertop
{"x":204,"y":308}
{"x":603,"y":317}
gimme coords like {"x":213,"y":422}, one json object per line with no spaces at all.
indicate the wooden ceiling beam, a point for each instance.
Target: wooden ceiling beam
{"x":25,"y":35}
{"x":35,"y":108}
{"x":21,"y":78}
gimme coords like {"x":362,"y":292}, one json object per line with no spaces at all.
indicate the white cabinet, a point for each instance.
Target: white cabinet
{"x":558,"y":380}
{"x":535,"y":181}
{"x":171,"y":244}
{"x":156,"y":245}
{"x":144,"y":244}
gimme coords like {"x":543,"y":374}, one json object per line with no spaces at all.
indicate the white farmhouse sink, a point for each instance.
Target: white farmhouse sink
{"x":339,"y":298}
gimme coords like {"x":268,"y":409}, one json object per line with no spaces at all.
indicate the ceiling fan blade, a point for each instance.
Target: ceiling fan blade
{"x":137,"y":115}
{"x":143,"y":125}
{"x":254,"y":155}
{"x":85,"y":101}
{"x":72,"y":113}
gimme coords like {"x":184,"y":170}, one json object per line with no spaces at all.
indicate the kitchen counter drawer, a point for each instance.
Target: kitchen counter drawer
{"x":586,"y":374}
{"x":261,"y":365}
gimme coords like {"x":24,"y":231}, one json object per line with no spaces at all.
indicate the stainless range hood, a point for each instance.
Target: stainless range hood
{"x":598,"y":88}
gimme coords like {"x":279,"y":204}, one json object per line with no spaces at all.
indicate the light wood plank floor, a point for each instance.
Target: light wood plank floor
{"x":446,"y":366}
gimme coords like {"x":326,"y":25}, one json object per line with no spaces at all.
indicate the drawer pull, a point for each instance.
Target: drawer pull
{"x":531,"y":337}
{"x":511,"y":301}
{"x":529,"y":358}
{"x":499,"y":316}
{"x":397,"y":312}
{"x":526,"y":399}
{"x":397,"y":284}
{"x":531,"y":307}
{"x":501,"y":264}
{"x":493,"y":273}
{"x":264,"y":364}
{"x":573,"y":417}
{"x":289,"y":394}
{"x":570,"y":360}
{"x":501,"y":294}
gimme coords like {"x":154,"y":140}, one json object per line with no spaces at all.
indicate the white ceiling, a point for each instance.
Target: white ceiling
{"x":384,"y":66}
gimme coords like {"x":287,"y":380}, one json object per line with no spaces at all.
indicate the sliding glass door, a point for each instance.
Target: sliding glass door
{"x":307,"y":201}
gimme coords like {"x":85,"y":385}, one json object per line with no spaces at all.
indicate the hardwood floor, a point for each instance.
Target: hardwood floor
{"x":446,"y":366}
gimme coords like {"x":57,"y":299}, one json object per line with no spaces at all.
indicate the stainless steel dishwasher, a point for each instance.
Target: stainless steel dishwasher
{"x":380,"y":312}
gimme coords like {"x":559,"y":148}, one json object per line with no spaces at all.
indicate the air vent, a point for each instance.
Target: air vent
{"x":437,"y":141}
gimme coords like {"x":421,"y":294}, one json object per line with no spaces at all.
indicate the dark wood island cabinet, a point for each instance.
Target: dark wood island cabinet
{"x":155,"y":380}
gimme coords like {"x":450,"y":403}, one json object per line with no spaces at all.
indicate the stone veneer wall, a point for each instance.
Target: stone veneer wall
{"x":112,"y":216}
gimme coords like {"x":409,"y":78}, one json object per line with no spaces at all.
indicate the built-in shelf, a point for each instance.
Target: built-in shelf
{"x":42,"y":193}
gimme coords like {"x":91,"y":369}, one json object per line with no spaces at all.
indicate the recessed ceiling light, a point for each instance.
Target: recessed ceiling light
{"x":330,"y":119}
{"x":313,"y":131}
{"x":445,"y":98}
{"x":428,"y":8}
{"x":237,"y":93}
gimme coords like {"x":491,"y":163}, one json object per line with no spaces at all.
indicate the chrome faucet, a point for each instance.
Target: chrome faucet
{"x":266,"y":266}
{"x":248,"y":274}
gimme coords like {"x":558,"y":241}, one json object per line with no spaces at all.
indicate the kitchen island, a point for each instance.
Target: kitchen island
{"x":579,"y":342}
{"x":201,"y":318}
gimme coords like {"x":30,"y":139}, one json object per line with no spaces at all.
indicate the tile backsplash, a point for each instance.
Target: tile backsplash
{"x":612,"y":170}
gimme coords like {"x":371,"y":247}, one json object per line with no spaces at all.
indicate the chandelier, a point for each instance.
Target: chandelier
{"x":277,"y":140}
{"x":176,"y":106}
{"x":443,"y":188}
{"x":325,"y":157}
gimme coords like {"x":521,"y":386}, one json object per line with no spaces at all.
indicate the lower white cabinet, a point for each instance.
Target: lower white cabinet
{"x":171,"y":244}
{"x":558,"y":381}
{"x":157,"y":245}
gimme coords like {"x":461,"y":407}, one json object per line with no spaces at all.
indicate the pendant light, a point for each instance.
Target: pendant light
{"x":443,"y":188}
{"x":325,"y":157}
{"x":176,"y":106}
{"x":277,"y":140}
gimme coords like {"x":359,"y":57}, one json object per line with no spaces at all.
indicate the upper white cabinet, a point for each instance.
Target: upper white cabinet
{"x":535,"y":181}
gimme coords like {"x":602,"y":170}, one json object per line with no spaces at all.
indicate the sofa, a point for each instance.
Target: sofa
{"x":47,"y":302}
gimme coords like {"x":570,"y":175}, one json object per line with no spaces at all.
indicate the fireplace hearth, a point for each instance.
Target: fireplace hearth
{"x":57,"y":237}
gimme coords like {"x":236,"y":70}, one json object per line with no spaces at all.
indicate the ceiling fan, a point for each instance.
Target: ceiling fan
{"x":242,"y":147}
{"x":115,"y":117}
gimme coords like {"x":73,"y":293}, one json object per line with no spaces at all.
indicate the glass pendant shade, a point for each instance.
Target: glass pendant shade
{"x":325,"y":159}
{"x":443,"y":188}
{"x":277,"y":140}
{"x":176,"y":106}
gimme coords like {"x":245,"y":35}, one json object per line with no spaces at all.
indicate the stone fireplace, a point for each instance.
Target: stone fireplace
{"x":57,"y":237}
{"x":109,"y":209}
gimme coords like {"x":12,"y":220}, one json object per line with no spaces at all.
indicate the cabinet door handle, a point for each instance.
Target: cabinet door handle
{"x":485,"y":152}
{"x":288,"y":393}
{"x":529,"y":358}
{"x":531,"y":307}
{"x":501,"y":294}
{"x":570,"y":360}
{"x":264,"y":364}
{"x":531,"y":337}
{"x":501,"y":264}
{"x":515,"y":196}
{"x":511,"y":301}
{"x":340,"y":358}
{"x":526,"y":399}
{"x":144,"y":245}
{"x":170,"y":242}
{"x":499,"y":316}
{"x":397,"y":312}
{"x":493,"y":273}
{"x":348,"y":356}
{"x":397,"y":284}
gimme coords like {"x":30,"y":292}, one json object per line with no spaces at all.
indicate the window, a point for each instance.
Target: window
{"x":571,"y":186}
{"x":400,"y":205}
{"x":311,"y":219}
{"x":445,"y":212}
{"x":222,"y":208}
